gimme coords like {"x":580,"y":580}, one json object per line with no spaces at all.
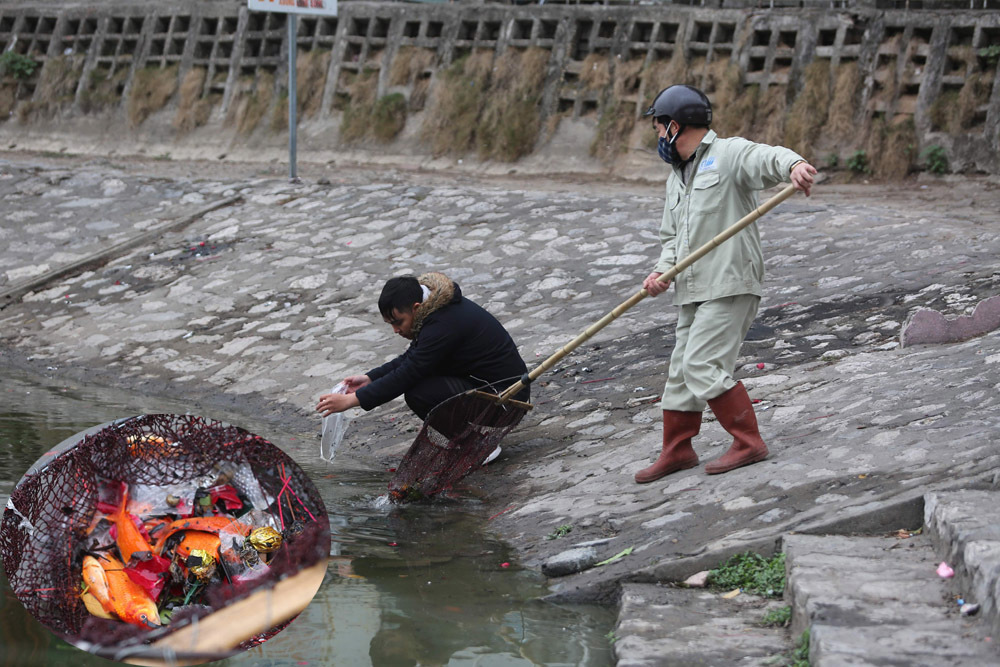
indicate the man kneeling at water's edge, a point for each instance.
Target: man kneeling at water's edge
{"x":456,"y":346}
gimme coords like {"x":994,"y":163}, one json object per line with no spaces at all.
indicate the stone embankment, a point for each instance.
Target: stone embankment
{"x":861,"y":600}
{"x":263,"y":304}
{"x":868,"y":85}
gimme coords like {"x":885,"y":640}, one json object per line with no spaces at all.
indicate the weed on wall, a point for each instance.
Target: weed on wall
{"x":456,"y":103}
{"x":103,"y":89}
{"x":809,"y":110}
{"x":356,"y":118}
{"x":843,"y":105}
{"x":511,"y":120}
{"x":152,"y":87}
{"x":310,"y":80}
{"x":251,"y":102}
{"x":891,"y":148}
{"x":769,"y":116}
{"x":194,"y":110}
{"x":410,"y":62}
{"x":56,"y":89}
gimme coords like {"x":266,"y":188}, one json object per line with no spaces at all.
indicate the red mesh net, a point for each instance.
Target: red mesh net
{"x":44,"y":531}
{"x":455,"y":439}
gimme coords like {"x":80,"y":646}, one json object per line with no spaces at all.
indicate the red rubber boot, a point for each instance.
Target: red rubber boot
{"x":677,"y":453}
{"x":735,"y":413}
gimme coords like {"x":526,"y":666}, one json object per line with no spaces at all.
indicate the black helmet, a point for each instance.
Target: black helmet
{"x":685,"y":104}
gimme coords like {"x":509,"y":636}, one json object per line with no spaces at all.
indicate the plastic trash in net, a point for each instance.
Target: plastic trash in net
{"x":60,"y":512}
{"x":334,"y":427}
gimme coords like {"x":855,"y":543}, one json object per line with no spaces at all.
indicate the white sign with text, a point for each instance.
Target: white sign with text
{"x":324,"y":7}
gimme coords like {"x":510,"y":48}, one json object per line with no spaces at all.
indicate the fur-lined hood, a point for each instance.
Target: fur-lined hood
{"x":443,"y":291}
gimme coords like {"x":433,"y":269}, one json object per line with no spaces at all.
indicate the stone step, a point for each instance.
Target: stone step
{"x":663,"y":626}
{"x":879,"y":601}
{"x":964,"y":527}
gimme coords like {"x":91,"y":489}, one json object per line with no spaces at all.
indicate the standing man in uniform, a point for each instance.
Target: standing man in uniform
{"x":712,"y":184}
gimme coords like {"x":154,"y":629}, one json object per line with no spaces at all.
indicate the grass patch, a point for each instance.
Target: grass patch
{"x":194,"y":110}
{"x":356,"y":120}
{"x":152,"y":87}
{"x":595,"y":72}
{"x":457,"y":100}
{"x":418,"y":93}
{"x":769,"y":116}
{"x":751,"y":573}
{"x":388,"y":117}
{"x":777,"y":618}
{"x":936,"y":159}
{"x":310,"y":81}
{"x":490,"y":106}
{"x":56,"y":89}
{"x":974,"y":93}
{"x":723,"y":82}
{"x":800,"y":656}
{"x":809,"y":110}
{"x":858,"y":162}
{"x":618,"y":118}
{"x":561,"y":531}
{"x":251,"y":100}
{"x":890,"y":150}
{"x":613,"y":129}
{"x":840,"y":122}
{"x":279,"y":117}
{"x":409,"y":62}
{"x":16,"y":65}
{"x":942,"y":111}
{"x":103,"y":89}
{"x":510,"y":120}
{"x":628,"y":75}
{"x":662,"y":73}
{"x":8,"y":99}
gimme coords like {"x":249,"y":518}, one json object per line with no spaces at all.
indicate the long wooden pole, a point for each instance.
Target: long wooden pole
{"x":642,"y":294}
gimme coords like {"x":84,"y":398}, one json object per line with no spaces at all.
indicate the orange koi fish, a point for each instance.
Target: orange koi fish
{"x":198,"y":539}
{"x":129,"y":539}
{"x":128,"y":599}
{"x":96,"y":595}
{"x":207,"y":524}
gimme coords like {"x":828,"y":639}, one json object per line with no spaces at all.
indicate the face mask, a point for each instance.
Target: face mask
{"x":667,"y":148}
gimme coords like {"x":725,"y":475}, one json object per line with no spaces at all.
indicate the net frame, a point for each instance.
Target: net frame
{"x":457,"y":436}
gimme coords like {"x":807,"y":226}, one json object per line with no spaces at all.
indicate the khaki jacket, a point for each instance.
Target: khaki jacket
{"x":726,"y":175}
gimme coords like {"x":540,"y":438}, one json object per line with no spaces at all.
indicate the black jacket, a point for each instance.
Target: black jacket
{"x":460,"y":339}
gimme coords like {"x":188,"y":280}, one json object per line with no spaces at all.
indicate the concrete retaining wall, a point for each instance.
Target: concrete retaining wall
{"x":909,"y":62}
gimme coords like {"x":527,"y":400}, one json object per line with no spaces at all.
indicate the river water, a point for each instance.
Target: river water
{"x":412,"y":585}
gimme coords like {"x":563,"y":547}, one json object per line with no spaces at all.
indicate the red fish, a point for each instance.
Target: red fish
{"x":129,"y":539}
{"x":128,"y":599}
{"x":207,"y":524}
{"x":198,"y":539}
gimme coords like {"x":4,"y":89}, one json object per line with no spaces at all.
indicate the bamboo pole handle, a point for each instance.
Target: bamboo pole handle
{"x":219,"y":633}
{"x":617,"y":312}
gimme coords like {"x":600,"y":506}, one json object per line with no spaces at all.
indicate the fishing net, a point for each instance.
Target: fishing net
{"x":44,"y":530}
{"x":455,"y":439}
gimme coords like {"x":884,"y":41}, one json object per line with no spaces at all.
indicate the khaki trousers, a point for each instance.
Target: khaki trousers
{"x":709,"y":335}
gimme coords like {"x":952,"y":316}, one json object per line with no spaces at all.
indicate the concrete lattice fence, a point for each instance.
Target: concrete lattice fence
{"x":406,"y":79}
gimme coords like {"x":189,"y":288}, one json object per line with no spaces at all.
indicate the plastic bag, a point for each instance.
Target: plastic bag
{"x":334,"y":427}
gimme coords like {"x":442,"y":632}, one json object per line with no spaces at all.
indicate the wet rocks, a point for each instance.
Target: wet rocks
{"x":570,"y":561}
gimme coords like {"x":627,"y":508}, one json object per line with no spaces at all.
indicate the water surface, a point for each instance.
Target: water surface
{"x":413,"y":585}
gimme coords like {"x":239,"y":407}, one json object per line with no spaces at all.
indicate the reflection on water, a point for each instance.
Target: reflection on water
{"x":413,"y":585}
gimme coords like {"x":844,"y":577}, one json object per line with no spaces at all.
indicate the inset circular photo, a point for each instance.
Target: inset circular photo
{"x":165,"y":537}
